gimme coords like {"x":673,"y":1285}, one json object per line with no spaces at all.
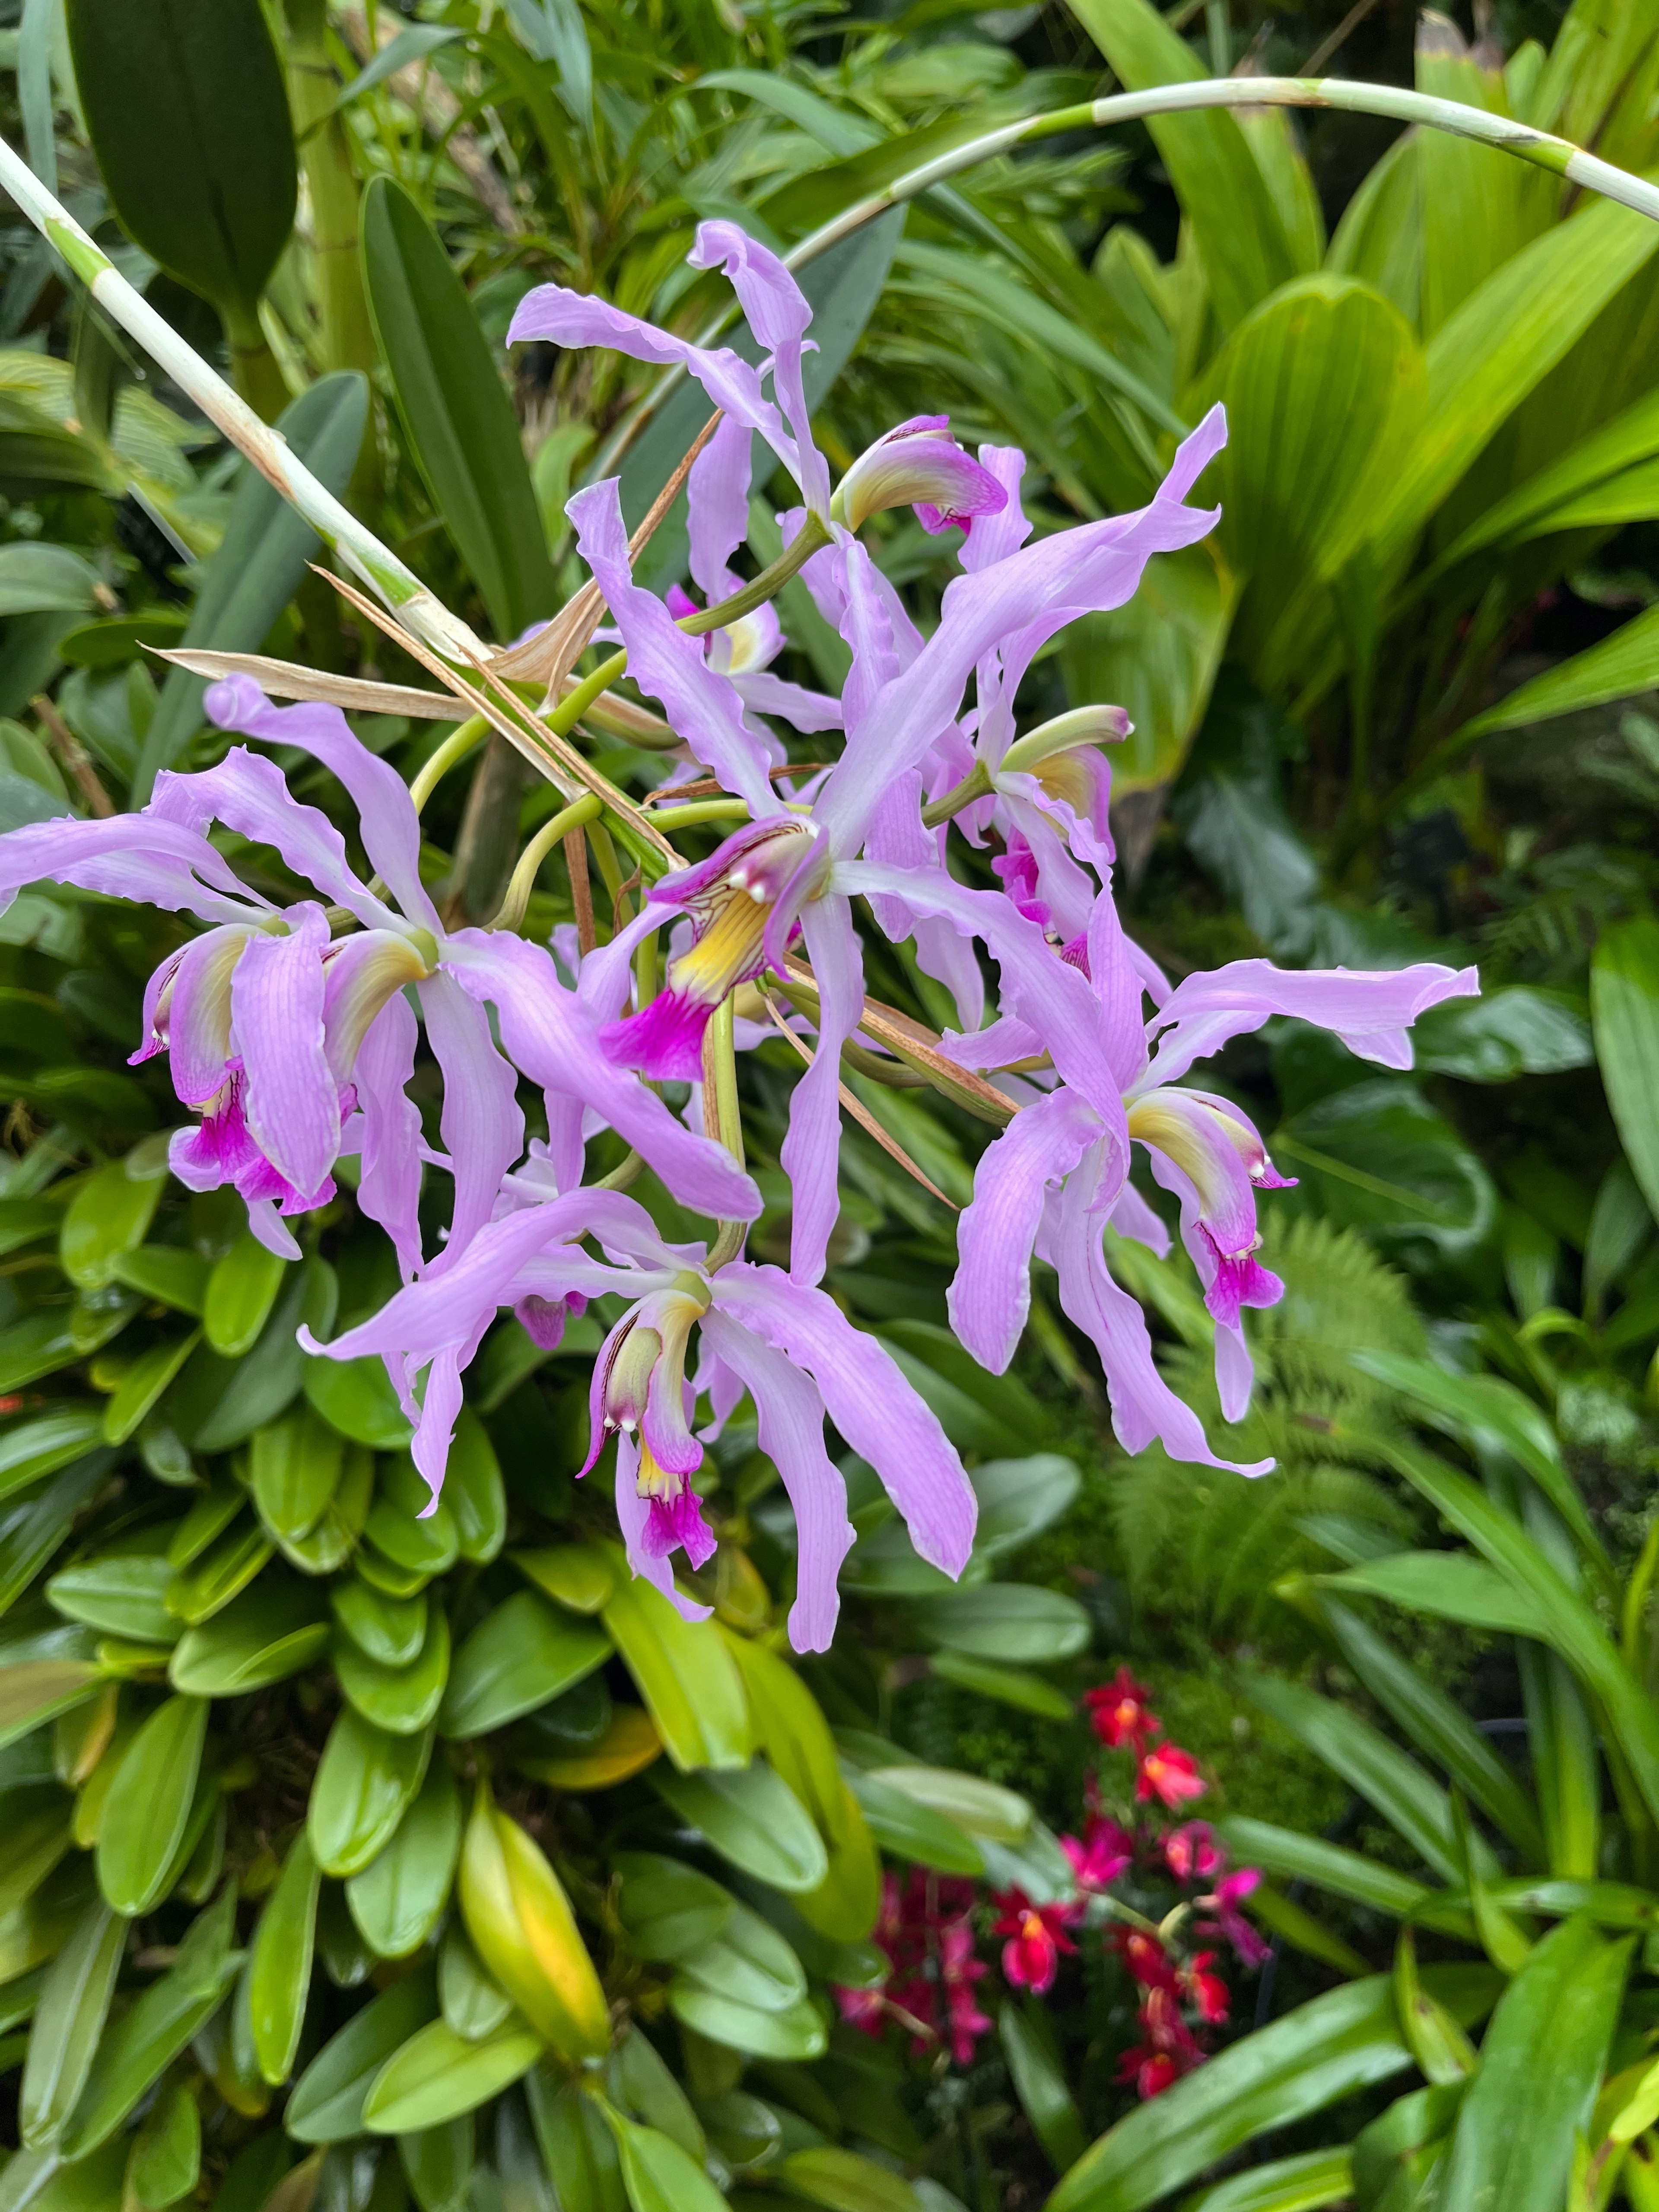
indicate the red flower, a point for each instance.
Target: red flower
{"x":1146,"y":1958}
{"x":1152,"y":2070}
{"x":958,"y":1971}
{"x":1170,"y":2048}
{"x":1192,"y":1852}
{"x":1036,"y":1936}
{"x":1168,"y":1773}
{"x":864,"y":2009}
{"x":1207,"y":1990}
{"x":1229,"y":1922}
{"x":1105,"y":1852}
{"x":1119,"y":1711}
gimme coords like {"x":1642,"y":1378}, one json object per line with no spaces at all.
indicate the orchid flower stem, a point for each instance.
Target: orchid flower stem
{"x":577,"y":815}
{"x":455,"y":747}
{"x":632,"y":1168}
{"x":722,"y":1117}
{"x":668,"y":818}
{"x":976,"y":784}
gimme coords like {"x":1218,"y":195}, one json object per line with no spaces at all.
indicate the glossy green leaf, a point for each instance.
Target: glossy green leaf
{"x":641,"y":2081}
{"x":426,"y":1545}
{"x":913,"y":1830}
{"x":139,"y":1389}
{"x":35,"y":1691}
{"x":124,"y":1594}
{"x":687,"y":1677}
{"x":1039,"y":2079}
{"x":147,"y":2038}
{"x":438,"y":2162}
{"x":753,"y":1818}
{"x":1341,"y":1873}
{"x":294,"y":1467}
{"x":241,"y":1291}
{"x":980,"y":1808}
{"x":326,"y":1548}
{"x":1541,"y":2062}
{"x":581,"y":1577}
{"x":108,"y":1217}
{"x":472,"y":2004}
{"x":657,"y":2175}
{"x":35,"y":1841}
{"x":357,"y":1398}
{"x":218,"y":1403}
{"x":1617,"y":668}
{"x":521,"y":1923}
{"x":1442,"y":2051}
{"x":437,"y":2076}
{"x":327,"y":2102}
{"x":796,"y":2033}
{"x":279,"y":1965}
{"x":520,"y":1656}
{"x":68,"y":2021}
{"x":166,"y":2161}
{"x":148,"y":1806}
{"x":1019,"y":1622}
{"x":1302,"y":2184}
{"x":670,"y":1910}
{"x":1613,"y":453}
{"x":403,"y":1699}
{"x":474,"y":1490}
{"x":748,"y":1962}
{"x":366,"y":1781}
{"x":397,"y":1899}
{"x":1451,"y":1584}
{"x":215,"y":1507}
{"x":187,"y":111}
{"x":389,"y":1629}
{"x":37,"y":1529}
{"x":455,"y":410}
{"x":272,"y":1630}
{"x":1006,"y":1686}
{"x":31,"y":1449}
{"x":1625,"y":1007}
{"x":1338,"y":2045}
{"x":219,"y":1574}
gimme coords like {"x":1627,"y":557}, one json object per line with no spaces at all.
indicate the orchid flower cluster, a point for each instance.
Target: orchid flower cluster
{"x":292,"y":1027}
{"x":932,"y":1925}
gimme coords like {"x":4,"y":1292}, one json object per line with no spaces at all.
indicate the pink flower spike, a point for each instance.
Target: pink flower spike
{"x":1119,"y":1711}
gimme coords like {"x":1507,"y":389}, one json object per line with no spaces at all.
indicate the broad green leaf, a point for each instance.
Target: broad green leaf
{"x":279,"y":1965}
{"x":294,"y":1467}
{"x":1394,"y":2157}
{"x":1020,"y":1622}
{"x":218,"y":1403}
{"x":628,"y":1744}
{"x":752,"y":1818}
{"x":413,"y":44}
{"x":1039,"y":2079}
{"x":911,"y":1830}
{"x":1563,"y":1741}
{"x":68,"y":2021}
{"x":34,"y":1844}
{"x":405,"y":1699}
{"x":748,"y":1962}
{"x":108,"y":1217}
{"x":689,"y":1680}
{"x":138,"y":1391}
{"x":520,"y":1922}
{"x":1342,"y":1872}
{"x":148,"y":1806}
{"x":1247,"y":251}
{"x":1007,"y":1686}
{"x":581,"y":1577}
{"x":365,"y":1783}
{"x":1430,"y":1720}
{"x":1377,"y":1157}
{"x":327,"y":2102}
{"x":31,"y":1449}
{"x":220,"y":1573}
{"x":1561,"y":493}
{"x":39,"y":577}
{"x":1519,"y":1031}
{"x":979,"y":1413}
{"x":1625,"y":1008}
{"x":166,"y":2161}
{"x":1442,"y":2051}
{"x":640,"y":2081}
{"x":1452,"y":1584}
{"x":260,"y":561}
{"x":437,"y":2076}
{"x":241,"y":1291}
{"x":357,"y":1398}
{"x":35,"y":1691}
{"x":1156,"y":656}
{"x":144,"y":2042}
{"x":1541,"y":2062}
{"x":1302,"y":2184}
{"x":389,"y":1629}
{"x":474,"y":1491}
{"x":844,"y":2181}
{"x":1625,"y":662}
{"x":407,"y":1527}
{"x":796,"y":2033}
{"x":1339,"y":2044}
{"x":124,"y":1594}
{"x":397,"y":1899}
{"x":520,"y":1656}
{"x":455,"y":409}
{"x":1479,"y":206}
{"x":472,"y":2004}
{"x":981,"y":1808}
{"x":438,"y":2162}
{"x":659,"y":2176}
{"x":272,"y":1630}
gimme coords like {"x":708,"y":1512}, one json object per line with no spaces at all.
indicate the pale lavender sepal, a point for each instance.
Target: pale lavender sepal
{"x":990,"y":1299}
{"x":998,"y":1044}
{"x":633,"y":1520}
{"x":248,"y":794}
{"x":806,"y":711}
{"x":606,"y":974}
{"x":717,"y":508}
{"x":790,"y":1415}
{"x":897,"y":838}
{"x":389,"y":1184}
{"x":1134,"y":1218}
{"x":292,"y":1100}
{"x":264,"y":1221}
{"x":482,"y":1125}
{"x":1119,"y":987}
{"x":550,"y":1036}
{"x":1369,"y":1011}
{"x":867,"y":631}
{"x":869,"y":1401}
{"x":129,"y":856}
{"x":812,"y":1149}
{"x":667,"y":664}
{"x":996,"y":536}
{"x":391,"y":827}
{"x":778,"y":313}
{"x":198,"y":1012}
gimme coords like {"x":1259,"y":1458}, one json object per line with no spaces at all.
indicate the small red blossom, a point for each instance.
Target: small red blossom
{"x":1152,"y":2070}
{"x":1146,"y":1958}
{"x":1119,"y":1712}
{"x":1168,"y":2050}
{"x":1036,"y":1936}
{"x":864,"y":2010}
{"x":958,"y":1971}
{"x":1167,"y":1773}
{"x":1229,"y":1922}
{"x":1105,"y":1852}
{"x":1206,"y":1992}
{"x":1193,"y":1853}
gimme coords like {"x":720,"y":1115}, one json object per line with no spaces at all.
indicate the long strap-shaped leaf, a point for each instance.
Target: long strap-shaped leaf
{"x":419,"y":609}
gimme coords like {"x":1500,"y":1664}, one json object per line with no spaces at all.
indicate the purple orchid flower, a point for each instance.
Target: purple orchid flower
{"x":294,"y":1046}
{"x":1059,"y":1173}
{"x":793,"y":1349}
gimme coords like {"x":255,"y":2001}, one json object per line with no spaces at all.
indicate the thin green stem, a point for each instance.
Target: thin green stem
{"x":670,"y":818}
{"x":976,"y":784}
{"x":455,"y":747}
{"x":722,"y":1118}
{"x":577,"y":815}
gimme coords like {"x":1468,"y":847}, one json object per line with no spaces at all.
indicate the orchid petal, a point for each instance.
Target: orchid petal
{"x":806,"y":711}
{"x":482,"y":1127}
{"x":389,"y":1184}
{"x":268,"y":1228}
{"x":1133,"y":1218}
{"x":292,"y":1100}
{"x":249,"y":795}
{"x":898,"y":837}
{"x":1002,"y":531}
{"x":869,"y":1401}
{"x":790,"y":1415}
{"x":198,"y":1012}
{"x":717,"y":506}
{"x":990,"y":1298}
{"x":777,"y":312}
{"x":811,"y":1150}
{"x":129,"y":856}
{"x":1370,"y":1011}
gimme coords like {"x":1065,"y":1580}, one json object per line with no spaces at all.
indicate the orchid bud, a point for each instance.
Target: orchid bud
{"x":522,"y":1927}
{"x":1084,"y":725}
{"x":919,"y":465}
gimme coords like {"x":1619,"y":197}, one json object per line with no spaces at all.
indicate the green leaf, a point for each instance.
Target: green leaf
{"x":355,"y":1397}
{"x":1542,"y":2063}
{"x":148,"y":1806}
{"x":221,"y":1572}
{"x":327,"y":2102}
{"x":35,"y":1691}
{"x":793,"y":2034}
{"x":670,"y":1912}
{"x":218,"y":1403}
{"x":1314,"y":2177}
{"x":437,"y":2076}
{"x":473,"y":2004}
{"x":1247,"y":253}
{"x":37,"y":1529}
{"x":413,"y":44}
{"x":294,"y":1467}
{"x":1442,"y":2050}
{"x":37,"y":577}
{"x":188,"y":114}
{"x":754,"y":1819}
{"x":366,"y":1781}
{"x":438,"y":2163}
{"x":1617,"y":668}
{"x":179,"y":1279}
{"x":1018,"y":1499}
{"x":520,"y":1656}
{"x":108,"y":1217}
{"x":474,"y":1490}
{"x":1563,"y":493}
{"x":913,"y":1831}
{"x":397,"y":1899}
{"x":843,"y":2181}
{"x":1039,"y":2079}
{"x":165,"y":2159}
{"x":687,"y":1677}
{"x":1020,"y":1622}
{"x":68,"y":2021}
{"x":142,"y":1383}
{"x":241,"y":1291}
{"x":34,"y":1844}
{"x":641,"y":2082}
{"x":657,"y":2175}
{"x":980,"y":1808}
{"x":31,"y":1449}
{"x":1625,"y":1009}
{"x":144,"y":2042}
{"x":522,"y":1926}
{"x":279,"y":1965}
{"x":272,"y":1630}
{"x":124,"y":1595}
{"x":1451,"y":1584}
{"x":1377,"y":1157}
{"x":748,"y":1962}
{"x":454,"y":408}
{"x":1342,"y":1872}
{"x":260,"y":561}
{"x":389,"y":1629}
{"x":1338,"y":2045}
{"x":403,"y":1699}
